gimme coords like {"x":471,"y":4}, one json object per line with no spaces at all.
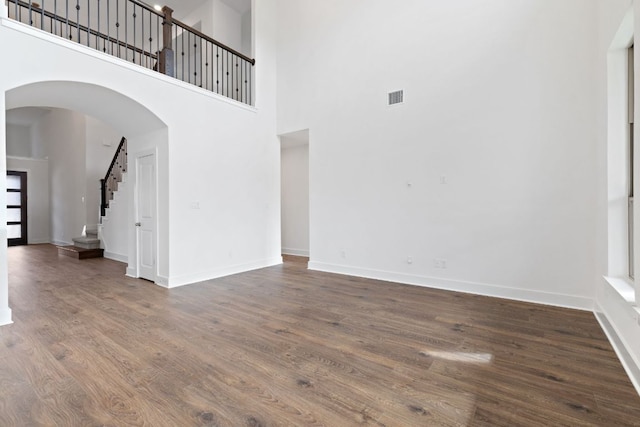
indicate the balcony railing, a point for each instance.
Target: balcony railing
{"x":136,"y":32}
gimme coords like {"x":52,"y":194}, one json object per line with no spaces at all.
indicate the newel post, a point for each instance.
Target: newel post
{"x":167,"y":62}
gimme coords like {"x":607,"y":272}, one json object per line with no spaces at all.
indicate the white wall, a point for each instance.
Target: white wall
{"x":295,"y":199}
{"x":227,"y":25}
{"x":38,"y":217}
{"x":18,"y":140}
{"x":499,"y":104}
{"x":114,"y":230}
{"x":5,"y":311}
{"x":61,"y":135}
{"x":223,"y":23}
{"x":101,"y":143}
{"x":246,"y":34}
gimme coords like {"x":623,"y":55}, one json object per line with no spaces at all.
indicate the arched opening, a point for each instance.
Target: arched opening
{"x":99,"y":108}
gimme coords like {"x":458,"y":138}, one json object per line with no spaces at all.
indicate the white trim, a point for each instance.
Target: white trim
{"x":623,"y":286}
{"x":38,"y":241}
{"x":71,"y":45}
{"x":5,"y":317}
{"x":162,"y":281}
{"x":131,"y":272}
{"x":60,"y":243}
{"x":31,"y":159}
{"x":156,"y":250}
{"x":116,"y":257}
{"x":526,"y":295}
{"x":295,"y":252}
{"x":188,"y":279}
{"x":628,"y":363}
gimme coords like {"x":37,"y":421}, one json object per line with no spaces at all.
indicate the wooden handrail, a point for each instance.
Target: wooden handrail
{"x":115,"y":157}
{"x":210,"y":40}
{"x":105,"y":183}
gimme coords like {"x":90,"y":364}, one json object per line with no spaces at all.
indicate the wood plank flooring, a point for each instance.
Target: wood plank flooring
{"x":286,"y":346}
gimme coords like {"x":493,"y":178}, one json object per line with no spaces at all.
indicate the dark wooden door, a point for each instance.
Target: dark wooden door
{"x":16,"y":208}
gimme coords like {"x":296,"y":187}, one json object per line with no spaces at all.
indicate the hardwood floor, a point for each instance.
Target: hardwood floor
{"x":286,"y":346}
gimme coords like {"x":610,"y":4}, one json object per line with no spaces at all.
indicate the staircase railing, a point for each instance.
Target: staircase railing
{"x":109,"y":184}
{"x":136,"y":32}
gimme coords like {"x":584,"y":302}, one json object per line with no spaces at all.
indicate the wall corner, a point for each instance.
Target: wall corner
{"x":5,"y":317}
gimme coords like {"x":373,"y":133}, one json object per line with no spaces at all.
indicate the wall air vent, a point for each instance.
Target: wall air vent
{"x":396,"y":97}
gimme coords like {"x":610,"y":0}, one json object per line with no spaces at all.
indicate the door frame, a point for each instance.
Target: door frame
{"x":24,"y":240}
{"x":135,"y":214}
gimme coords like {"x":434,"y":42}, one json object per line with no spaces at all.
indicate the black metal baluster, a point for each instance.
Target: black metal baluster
{"x":67,"y":18}
{"x":98,"y":35}
{"x":117,"y":27}
{"x":182,"y":55}
{"x":217,"y":69}
{"x":188,"y":56}
{"x":158,"y":41}
{"x":212,"y":69}
{"x":54,"y":19}
{"x":108,"y":30}
{"x":134,"y":36}
{"x":126,"y":30}
{"x":88,"y":23}
{"x":30,"y":17}
{"x":150,"y":39}
{"x":78,"y":19}
{"x":42,"y":15}
{"x":199,"y":55}
{"x":227,"y":73}
{"x":206,"y":65}
{"x":237,"y":80}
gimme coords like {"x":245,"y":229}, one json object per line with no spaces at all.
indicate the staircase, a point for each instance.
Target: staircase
{"x":89,"y":245}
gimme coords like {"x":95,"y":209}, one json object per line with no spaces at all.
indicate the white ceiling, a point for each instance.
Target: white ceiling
{"x":25,"y":116}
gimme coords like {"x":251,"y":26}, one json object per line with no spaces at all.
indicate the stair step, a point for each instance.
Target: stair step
{"x":87,"y":242}
{"x":80,"y":253}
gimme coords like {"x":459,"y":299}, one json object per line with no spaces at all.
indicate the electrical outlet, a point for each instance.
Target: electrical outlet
{"x":440,"y":263}
{"x":409,"y":260}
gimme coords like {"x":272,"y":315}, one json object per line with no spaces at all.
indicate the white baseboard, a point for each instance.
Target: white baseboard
{"x":60,"y":243}
{"x":628,"y":363}
{"x":116,"y":257}
{"x":5,"y":317}
{"x":39,"y":241}
{"x":526,"y":295}
{"x":295,"y":252}
{"x":187,"y":279}
{"x":162,"y":281}
{"x":131,"y":272}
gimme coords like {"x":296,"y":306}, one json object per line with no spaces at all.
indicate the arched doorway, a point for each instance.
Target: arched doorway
{"x":144,"y":130}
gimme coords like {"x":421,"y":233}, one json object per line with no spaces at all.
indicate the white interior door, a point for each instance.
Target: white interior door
{"x":146,"y":216}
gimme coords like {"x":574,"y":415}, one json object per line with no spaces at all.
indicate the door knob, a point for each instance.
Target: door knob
{"x":138,"y":224}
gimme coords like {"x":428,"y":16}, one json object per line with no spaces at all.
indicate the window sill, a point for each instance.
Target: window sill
{"x":624,"y":287}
